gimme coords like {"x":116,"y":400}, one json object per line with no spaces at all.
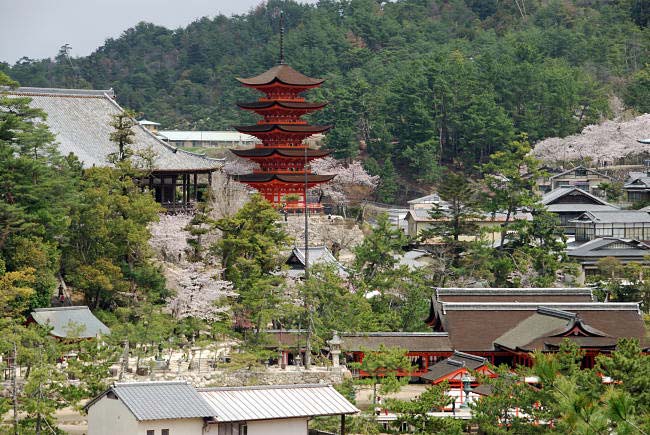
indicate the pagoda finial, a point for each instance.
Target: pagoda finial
{"x":281,"y":62}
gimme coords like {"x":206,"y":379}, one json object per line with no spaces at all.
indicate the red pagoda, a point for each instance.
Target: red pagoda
{"x":282,"y":155}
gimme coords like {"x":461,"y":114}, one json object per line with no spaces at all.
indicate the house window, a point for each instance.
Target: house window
{"x":164,"y":432}
{"x":151,"y":432}
{"x":232,"y":429}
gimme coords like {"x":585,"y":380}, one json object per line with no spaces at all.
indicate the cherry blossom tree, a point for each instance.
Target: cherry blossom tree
{"x":169,"y":237}
{"x":352,"y":183}
{"x":598,"y":144}
{"x":200,"y":294}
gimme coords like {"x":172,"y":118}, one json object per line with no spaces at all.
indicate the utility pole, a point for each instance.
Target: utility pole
{"x":15,"y":389}
{"x":309,"y":313}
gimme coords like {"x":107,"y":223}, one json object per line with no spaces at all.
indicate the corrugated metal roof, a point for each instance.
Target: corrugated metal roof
{"x":80,"y":121}
{"x":161,"y":400}
{"x":70,"y":322}
{"x":272,"y":402}
{"x":207,"y":136}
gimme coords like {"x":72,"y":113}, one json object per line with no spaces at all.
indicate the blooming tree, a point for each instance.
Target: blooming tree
{"x":238,"y":166}
{"x":169,"y":237}
{"x":200,"y":294}
{"x":601,"y":144}
{"x":351,"y":184}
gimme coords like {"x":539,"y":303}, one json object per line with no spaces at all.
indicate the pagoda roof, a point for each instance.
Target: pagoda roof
{"x":287,"y":178}
{"x":301,"y":105}
{"x":282,"y":73}
{"x":286,"y":152}
{"x":266,"y":128}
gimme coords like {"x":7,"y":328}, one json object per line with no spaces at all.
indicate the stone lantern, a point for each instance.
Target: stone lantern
{"x":335,"y":349}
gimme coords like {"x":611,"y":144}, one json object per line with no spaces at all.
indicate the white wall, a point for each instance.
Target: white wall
{"x":286,"y":426}
{"x":188,"y":426}
{"x":111,"y":417}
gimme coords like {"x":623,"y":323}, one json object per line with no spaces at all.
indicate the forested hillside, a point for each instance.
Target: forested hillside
{"x":422,"y":83}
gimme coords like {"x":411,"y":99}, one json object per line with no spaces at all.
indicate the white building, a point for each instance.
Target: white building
{"x":207,"y":139}
{"x":176,"y":408}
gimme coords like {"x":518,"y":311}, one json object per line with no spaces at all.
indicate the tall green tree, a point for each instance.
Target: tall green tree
{"x":250,"y":250}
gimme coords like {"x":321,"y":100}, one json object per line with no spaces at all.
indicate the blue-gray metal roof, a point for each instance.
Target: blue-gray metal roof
{"x":161,"y":400}
{"x":70,"y":322}
{"x":273,"y":402}
{"x":80,"y":121}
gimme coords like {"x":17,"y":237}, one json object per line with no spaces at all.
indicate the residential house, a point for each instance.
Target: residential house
{"x":624,"y":250}
{"x":148,"y":408}
{"x":581,"y":177}
{"x":176,"y":408}
{"x":420,"y":220}
{"x":427,"y":202}
{"x":637,"y":186}
{"x":69,"y":323}
{"x":80,"y":120}
{"x":568,"y":203}
{"x":628,"y":224}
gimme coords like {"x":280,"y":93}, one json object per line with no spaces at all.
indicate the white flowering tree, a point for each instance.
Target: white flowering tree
{"x":169,"y":237}
{"x":352,"y":183}
{"x":597,"y":144}
{"x":200,"y":294}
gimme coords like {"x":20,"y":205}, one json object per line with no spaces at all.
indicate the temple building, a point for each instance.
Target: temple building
{"x":80,"y":120}
{"x":283,"y":175}
{"x":505,"y":326}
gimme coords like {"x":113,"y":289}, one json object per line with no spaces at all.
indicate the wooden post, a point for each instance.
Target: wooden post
{"x":174,"y":180}
{"x":196,"y":185}
{"x":185,"y":193}
{"x":162,"y":189}
{"x":342,"y":424}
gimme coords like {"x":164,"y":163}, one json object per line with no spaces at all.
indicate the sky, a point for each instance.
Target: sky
{"x":38,"y":28}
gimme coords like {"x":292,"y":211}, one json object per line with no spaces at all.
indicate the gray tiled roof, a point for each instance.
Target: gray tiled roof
{"x":160,"y":400}
{"x":614,"y":216}
{"x":80,"y":120}
{"x":455,"y":362}
{"x":272,"y":402}
{"x":637,"y":180}
{"x":78,"y":322}
{"x":598,"y":248}
{"x":317,"y":255}
{"x":555,"y":194}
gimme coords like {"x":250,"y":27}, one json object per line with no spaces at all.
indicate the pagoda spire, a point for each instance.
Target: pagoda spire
{"x":281,"y":61}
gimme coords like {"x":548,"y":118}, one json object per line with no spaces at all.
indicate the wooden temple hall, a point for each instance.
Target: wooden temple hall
{"x":505,"y":325}
{"x":80,"y":120}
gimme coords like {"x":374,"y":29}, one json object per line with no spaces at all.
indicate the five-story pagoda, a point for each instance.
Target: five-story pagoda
{"x":282,"y":155}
